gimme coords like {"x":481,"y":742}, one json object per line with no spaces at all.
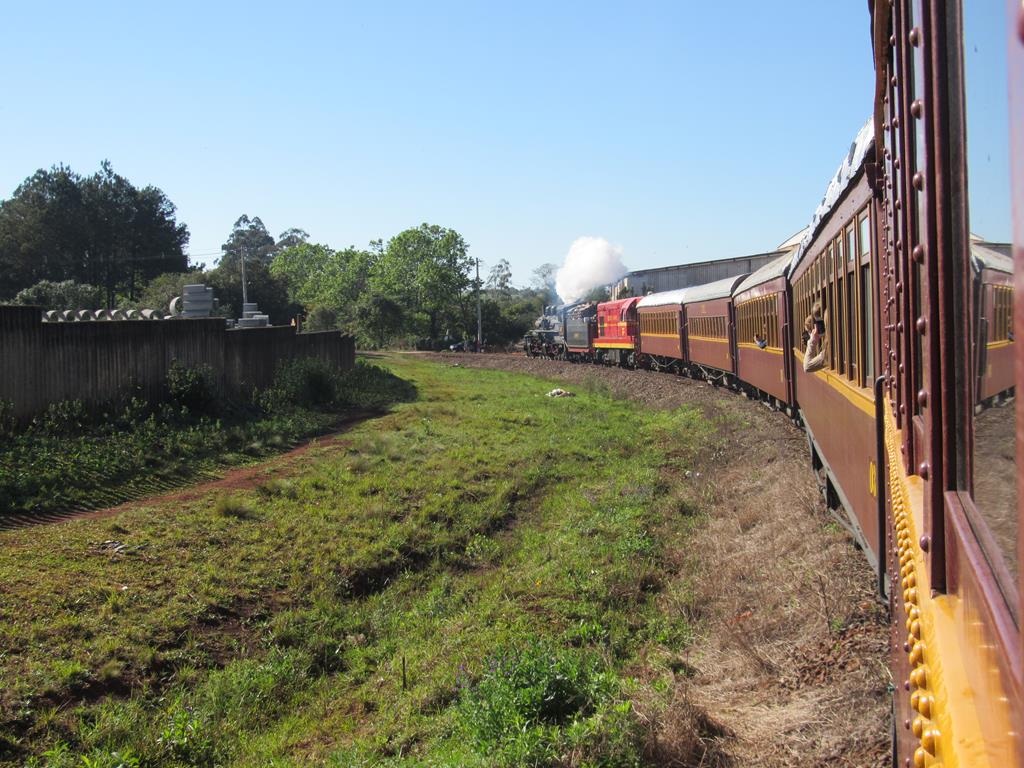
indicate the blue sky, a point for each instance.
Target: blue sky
{"x":680,"y":131}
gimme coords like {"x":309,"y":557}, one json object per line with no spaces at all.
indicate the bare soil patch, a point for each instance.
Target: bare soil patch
{"x":792,"y":668}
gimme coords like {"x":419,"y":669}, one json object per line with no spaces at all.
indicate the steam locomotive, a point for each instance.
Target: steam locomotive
{"x":910,"y":414}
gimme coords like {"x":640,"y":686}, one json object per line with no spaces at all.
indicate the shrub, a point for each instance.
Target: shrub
{"x":7,"y":420}
{"x":66,"y":417}
{"x":233,"y":506}
{"x":186,"y":736}
{"x":534,"y":703}
{"x":306,"y":381}
{"x":66,"y":294}
{"x":370,"y":386}
{"x":278,"y":487}
{"x":321,"y":319}
{"x":100,"y":758}
{"x":191,"y":388}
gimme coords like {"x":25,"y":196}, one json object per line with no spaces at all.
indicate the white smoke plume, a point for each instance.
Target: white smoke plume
{"x":591,"y":262}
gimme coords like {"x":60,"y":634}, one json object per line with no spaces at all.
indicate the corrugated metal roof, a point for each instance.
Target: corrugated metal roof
{"x":992,"y":256}
{"x":716,"y":290}
{"x":775,"y":269}
{"x":664,"y":298}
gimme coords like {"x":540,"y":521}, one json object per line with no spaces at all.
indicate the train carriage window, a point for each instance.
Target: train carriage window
{"x":850,"y":342}
{"x":866,"y":313}
{"x":864,"y":236}
{"x":837,"y":328}
{"x":853,"y":308}
{"x":842,"y":307}
{"x":993,"y":402}
{"x":866,"y":347}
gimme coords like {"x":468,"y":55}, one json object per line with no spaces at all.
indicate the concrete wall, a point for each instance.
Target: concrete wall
{"x":43,"y":363}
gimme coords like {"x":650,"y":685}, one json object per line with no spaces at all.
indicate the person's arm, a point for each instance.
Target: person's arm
{"x":814,"y":356}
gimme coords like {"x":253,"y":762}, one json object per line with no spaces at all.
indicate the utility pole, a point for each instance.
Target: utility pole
{"x":245,"y":290}
{"x":479,"y":316}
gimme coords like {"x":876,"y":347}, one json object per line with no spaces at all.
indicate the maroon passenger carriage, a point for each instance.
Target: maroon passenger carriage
{"x":832,"y":269}
{"x":762,"y":310}
{"x":709,"y":328}
{"x":661,"y":330}
{"x":992,"y":266}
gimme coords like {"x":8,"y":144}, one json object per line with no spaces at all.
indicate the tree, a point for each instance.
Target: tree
{"x":268,"y":291}
{"x":380,"y":319}
{"x":291,"y":237}
{"x":252,"y":237}
{"x":161,"y":289}
{"x":600,"y":293}
{"x":321,"y":278}
{"x":426,"y":270}
{"x":499,"y":280}
{"x":42,"y":230}
{"x":66,"y":294}
{"x":544,"y":279}
{"x":132,"y":234}
{"x":99,"y":230}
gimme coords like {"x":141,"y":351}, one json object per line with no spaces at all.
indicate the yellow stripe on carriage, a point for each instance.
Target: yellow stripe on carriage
{"x":951,"y":721}
{"x":770,"y":350}
{"x":860,"y":397}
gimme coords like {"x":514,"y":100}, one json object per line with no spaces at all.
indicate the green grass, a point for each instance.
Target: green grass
{"x":477,"y":578}
{"x":75,"y":457}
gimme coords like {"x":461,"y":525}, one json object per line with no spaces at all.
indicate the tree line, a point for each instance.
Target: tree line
{"x":98,"y":230}
{"x":74,"y":242}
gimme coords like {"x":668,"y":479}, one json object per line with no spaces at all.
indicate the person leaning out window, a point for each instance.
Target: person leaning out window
{"x":761,"y":339}
{"x":817,"y":342}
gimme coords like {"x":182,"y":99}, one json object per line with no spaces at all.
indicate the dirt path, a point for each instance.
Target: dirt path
{"x":792,"y":668}
{"x":232,"y":479}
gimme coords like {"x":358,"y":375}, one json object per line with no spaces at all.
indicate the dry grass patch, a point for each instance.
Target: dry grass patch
{"x":792,"y":662}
